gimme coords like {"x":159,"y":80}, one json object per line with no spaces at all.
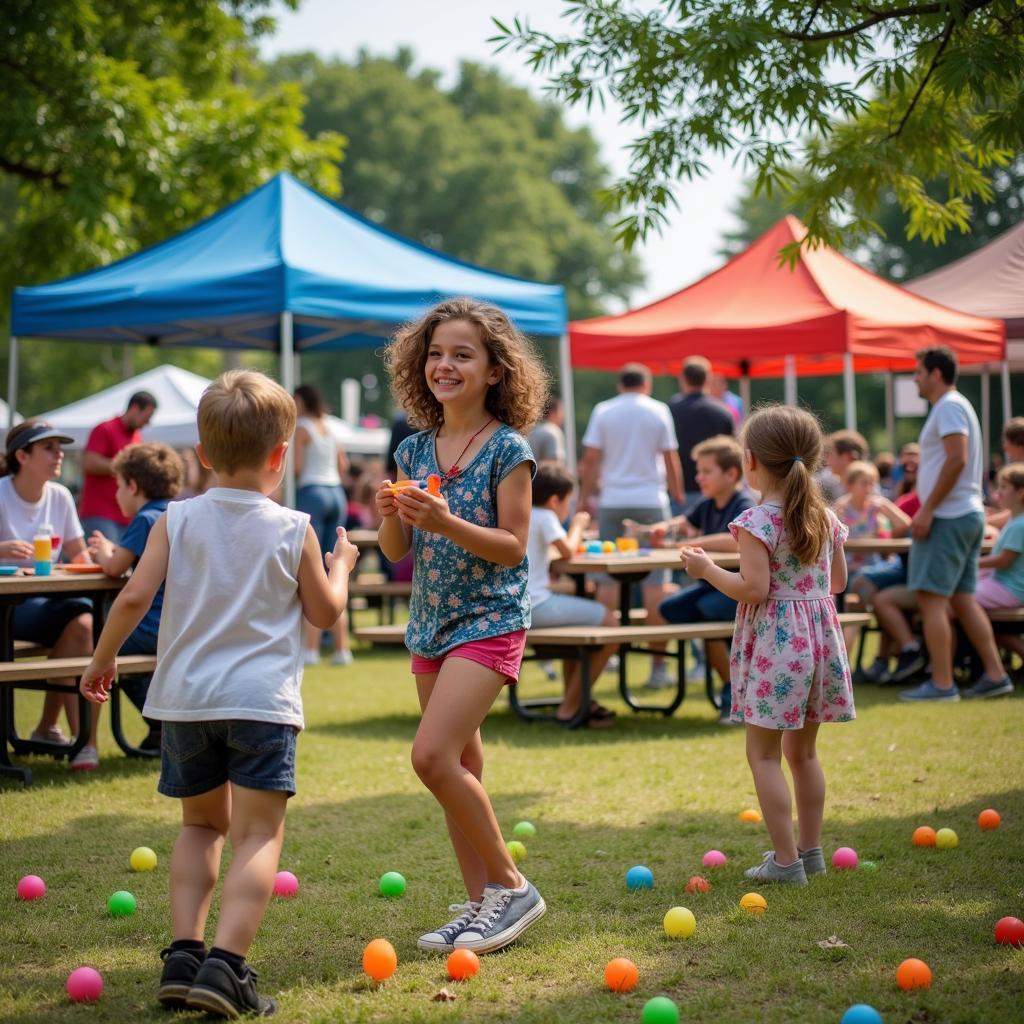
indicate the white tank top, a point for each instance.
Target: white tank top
{"x":319,"y":457}
{"x":229,"y":645}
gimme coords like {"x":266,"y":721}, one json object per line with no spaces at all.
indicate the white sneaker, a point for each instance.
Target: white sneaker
{"x":660,"y":679}
{"x":86,"y":760}
{"x":342,"y":658}
{"x":612,"y":664}
{"x":310,"y":657}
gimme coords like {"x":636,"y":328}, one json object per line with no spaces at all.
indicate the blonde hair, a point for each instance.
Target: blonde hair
{"x":788,"y":444}
{"x":520,"y":393}
{"x":857,"y":470}
{"x":243,"y":416}
{"x":725,"y":450}
{"x":1013,"y":474}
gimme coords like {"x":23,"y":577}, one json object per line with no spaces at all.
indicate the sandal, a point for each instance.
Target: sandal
{"x":600,"y":717}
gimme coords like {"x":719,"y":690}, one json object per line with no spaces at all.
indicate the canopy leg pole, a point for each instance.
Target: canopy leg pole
{"x":1004,"y":379}
{"x":568,"y":402}
{"x":849,"y":391}
{"x":789,"y":380}
{"x":745,"y":387}
{"x":890,"y":409}
{"x":986,"y":415}
{"x":287,"y":368}
{"x":12,"y":381}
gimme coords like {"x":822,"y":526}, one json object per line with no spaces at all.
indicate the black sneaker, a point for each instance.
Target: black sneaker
{"x":180,"y":969}
{"x":877,"y":672}
{"x":908,"y":664}
{"x":151,"y":741}
{"x":218,"y":990}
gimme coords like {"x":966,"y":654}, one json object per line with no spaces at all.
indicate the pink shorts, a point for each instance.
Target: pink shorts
{"x":991,"y":594}
{"x":502,"y":654}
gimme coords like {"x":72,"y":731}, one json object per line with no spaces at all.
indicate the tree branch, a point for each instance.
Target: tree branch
{"x":878,"y":18}
{"x":32,"y":173}
{"x":946,"y":36}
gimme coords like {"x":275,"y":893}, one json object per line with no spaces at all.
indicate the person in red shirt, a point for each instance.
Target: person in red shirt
{"x":98,"y":508}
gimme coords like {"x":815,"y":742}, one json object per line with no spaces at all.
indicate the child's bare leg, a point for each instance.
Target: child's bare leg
{"x":764,"y":755}
{"x":339,"y":633}
{"x":800,"y":749}
{"x":257,"y":832}
{"x":312,"y":636}
{"x":718,"y":655}
{"x":571,"y":669}
{"x":75,"y":640}
{"x":474,"y":873}
{"x":461,"y":696}
{"x":195,"y":862}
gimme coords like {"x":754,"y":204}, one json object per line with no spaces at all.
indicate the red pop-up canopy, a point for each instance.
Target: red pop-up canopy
{"x":748,"y":316}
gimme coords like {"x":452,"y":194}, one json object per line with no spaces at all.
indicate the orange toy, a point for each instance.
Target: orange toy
{"x":924,"y":836}
{"x":913,"y":973}
{"x":462,"y":964}
{"x":698,"y":884}
{"x":989,"y":819}
{"x":397,"y":486}
{"x":434,"y":484}
{"x":380,"y":959}
{"x":621,"y":975}
{"x":750,"y":815}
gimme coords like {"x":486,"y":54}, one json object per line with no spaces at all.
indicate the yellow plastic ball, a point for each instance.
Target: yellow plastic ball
{"x":142,"y":859}
{"x":946,"y":839}
{"x":517,"y":850}
{"x":608,"y":547}
{"x":754,"y":903}
{"x":679,"y":923}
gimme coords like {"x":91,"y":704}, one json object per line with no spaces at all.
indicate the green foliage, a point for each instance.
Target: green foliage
{"x":870,"y":99}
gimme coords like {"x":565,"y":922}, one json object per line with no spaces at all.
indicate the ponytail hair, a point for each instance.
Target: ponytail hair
{"x":788,"y":443}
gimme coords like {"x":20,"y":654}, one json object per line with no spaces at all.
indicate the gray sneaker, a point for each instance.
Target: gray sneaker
{"x":770,"y":870}
{"x":986,"y":687}
{"x":928,"y":691}
{"x":660,"y":678}
{"x":503,"y":916}
{"x":443,"y":940}
{"x":814,"y":860}
{"x":877,"y":672}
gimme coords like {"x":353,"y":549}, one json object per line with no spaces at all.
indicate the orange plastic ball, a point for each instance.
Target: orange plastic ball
{"x":462,"y":964}
{"x":621,"y":975}
{"x":913,"y":973}
{"x":924,"y":836}
{"x":750,"y":815}
{"x":989,"y":819}
{"x":698,"y":884}
{"x":380,"y":959}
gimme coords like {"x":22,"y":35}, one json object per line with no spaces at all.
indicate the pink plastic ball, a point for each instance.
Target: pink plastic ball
{"x":845,"y":859}
{"x":84,"y":985}
{"x":31,"y":887}
{"x":714,"y":859}
{"x":285,"y":884}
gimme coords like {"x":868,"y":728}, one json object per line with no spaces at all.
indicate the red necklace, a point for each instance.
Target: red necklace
{"x":455,"y":469}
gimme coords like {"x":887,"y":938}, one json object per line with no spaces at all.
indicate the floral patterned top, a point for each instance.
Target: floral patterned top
{"x":458,"y":597}
{"x":871,"y":522}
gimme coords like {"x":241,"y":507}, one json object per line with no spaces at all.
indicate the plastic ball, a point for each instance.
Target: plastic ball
{"x":698,"y":884}
{"x":462,"y":964}
{"x":754,"y":903}
{"x":392,"y":884}
{"x":660,"y":1010}
{"x":924,"y":836}
{"x":845,"y":859}
{"x":946,"y":839}
{"x":525,"y":829}
{"x":861,"y":1013}
{"x":31,"y":887}
{"x":679,"y":923}
{"x":285,"y":884}
{"x":608,"y":547}
{"x":639,"y":877}
{"x":621,"y":975}
{"x":868,"y":865}
{"x":84,"y":985}
{"x":714,"y":859}
{"x":594,"y":547}
{"x":142,"y":859}
{"x":913,"y":973}
{"x":121,"y":903}
{"x":1010,"y":931}
{"x":750,"y":815}
{"x":989,"y":819}
{"x":516,"y":850}
{"x":380,"y":959}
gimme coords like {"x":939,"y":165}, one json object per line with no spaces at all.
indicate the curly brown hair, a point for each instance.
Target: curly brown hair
{"x":517,"y":398}
{"x":157,"y":469}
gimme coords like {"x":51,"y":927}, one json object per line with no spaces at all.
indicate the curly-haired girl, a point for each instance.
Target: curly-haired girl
{"x":468,"y":376}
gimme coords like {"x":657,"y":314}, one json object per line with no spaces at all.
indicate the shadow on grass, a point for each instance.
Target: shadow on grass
{"x":938,"y":905}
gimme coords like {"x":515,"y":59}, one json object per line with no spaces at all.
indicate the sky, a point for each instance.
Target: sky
{"x":444,"y":32}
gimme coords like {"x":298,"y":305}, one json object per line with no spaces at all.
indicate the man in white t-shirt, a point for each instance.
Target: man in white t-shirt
{"x":947,"y":533}
{"x":631,"y":455}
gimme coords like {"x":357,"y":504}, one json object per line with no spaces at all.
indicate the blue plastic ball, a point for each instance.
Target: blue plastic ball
{"x":861,"y":1013}
{"x":639,"y":877}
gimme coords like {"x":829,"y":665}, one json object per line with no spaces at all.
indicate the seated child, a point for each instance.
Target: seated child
{"x":552,"y":489}
{"x":148,"y":476}
{"x":1013,"y":449}
{"x":719,"y":462}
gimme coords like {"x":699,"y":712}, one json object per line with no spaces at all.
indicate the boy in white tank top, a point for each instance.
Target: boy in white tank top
{"x":240,"y":574}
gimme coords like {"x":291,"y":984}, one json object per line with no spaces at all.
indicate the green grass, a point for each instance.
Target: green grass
{"x":651,"y":790}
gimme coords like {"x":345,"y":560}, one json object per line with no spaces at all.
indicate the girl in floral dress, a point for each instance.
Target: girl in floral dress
{"x":469,"y":377}
{"x":790,"y":672}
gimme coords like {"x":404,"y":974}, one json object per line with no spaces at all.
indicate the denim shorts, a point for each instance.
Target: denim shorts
{"x":946,"y":561}
{"x":567,"y":610}
{"x":196,"y":757}
{"x":327,"y":507}
{"x":41,"y":620}
{"x":889,"y":573}
{"x":700,"y":602}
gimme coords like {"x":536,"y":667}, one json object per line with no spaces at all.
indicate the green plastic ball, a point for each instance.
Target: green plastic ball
{"x":524,"y":828}
{"x":517,"y":850}
{"x":392,"y":884}
{"x":121,"y":903}
{"x":660,"y":1010}
{"x":868,"y":865}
